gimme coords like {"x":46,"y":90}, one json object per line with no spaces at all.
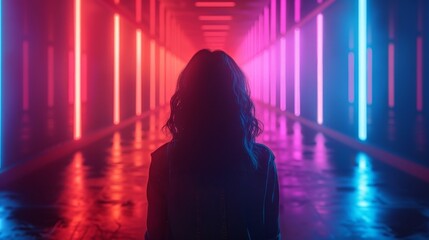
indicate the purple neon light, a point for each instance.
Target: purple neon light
{"x":320,"y":68}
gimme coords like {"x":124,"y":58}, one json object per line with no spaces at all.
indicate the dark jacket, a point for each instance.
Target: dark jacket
{"x":193,"y":196}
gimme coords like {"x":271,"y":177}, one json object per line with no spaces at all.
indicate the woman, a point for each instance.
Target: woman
{"x":212,"y":181}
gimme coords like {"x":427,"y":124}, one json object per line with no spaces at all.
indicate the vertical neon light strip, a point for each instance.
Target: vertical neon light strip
{"x":419,"y":89}
{"x":283,"y":55}
{"x":351,"y":77}
{"x":116,"y":103}
{"x":266,"y":84}
{"x":50,"y":76}
{"x":152,"y":74}
{"x":391,"y":74}
{"x":138,"y":59}
{"x":162,"y":76}
{"x":77,"y":72}
{"x":369,"y":52}
{"x":319,"y":68}
{"x":138,"y":72}
{"x":362,"y":64}
{"x":297,"y":67}
{"x":25,"y":76}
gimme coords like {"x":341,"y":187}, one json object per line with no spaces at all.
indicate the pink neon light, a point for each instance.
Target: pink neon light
{"x":117,"y":1}
{"x":266,"y":35}
{"x":138,"y":10}
{"x":282,"y":16}
{"x":215,"y":18}
{"x":320,"y":68}
{"x":273,"y":75}
{"x":297,"y":74}
{"x":161,"y":76}
{"x":351,"y":77}
{"x":419,"y":89}
{"x":71,"y":78}
{"x":116,"y":86}
{"x":391,"y":74}
{"x":77,"y":76}
{"x":283,"y":73}
{"x":215,"y":4}
{"x":297,"y":10}
{"x":152,"y":74}
{"x":50,"y":76}
{"x":138,"y":72}
{"x":369,"y":69}
{"x":273,"y":20}
{"x":266,"y":70}
{"x":25,"y":76}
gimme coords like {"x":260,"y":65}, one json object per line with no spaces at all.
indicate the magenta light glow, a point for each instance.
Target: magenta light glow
{"x":319,"y":68}
{"x":152,"y":74}
{"x":297,"y":76}
{"x":283,"y":73}
{"x":138,"y":72}
{"x":391,"y":75}
{"x":273,"y":75}
{"x":273,"y":20}
{"x":282,"y":16}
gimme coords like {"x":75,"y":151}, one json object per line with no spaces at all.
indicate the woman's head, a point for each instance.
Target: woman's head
{"x":212,"y":102}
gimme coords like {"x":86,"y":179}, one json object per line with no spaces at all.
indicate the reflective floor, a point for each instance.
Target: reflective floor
{"x":328,"y":190}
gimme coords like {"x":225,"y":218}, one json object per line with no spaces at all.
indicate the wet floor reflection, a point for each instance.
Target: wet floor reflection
{"x":327,"y":190}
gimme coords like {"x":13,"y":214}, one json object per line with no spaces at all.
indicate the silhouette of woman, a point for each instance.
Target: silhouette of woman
{"x":212,"y":180}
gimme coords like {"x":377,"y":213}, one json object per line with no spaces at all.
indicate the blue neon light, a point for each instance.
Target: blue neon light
{"x":362,"y":89}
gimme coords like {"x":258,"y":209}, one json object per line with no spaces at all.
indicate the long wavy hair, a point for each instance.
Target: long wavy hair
{"x":212,"y":101}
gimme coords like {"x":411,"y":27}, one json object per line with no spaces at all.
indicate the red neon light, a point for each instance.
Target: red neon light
{"x":138,"y":72}
{"x":391,"y":75}
{"x":71,"y":78}
{"x":215,"y":34}
{"x":369,"y":69}
{"x":419,"y":89}
{"x":50,"y":76}
{"x":282,"y":16}
{"x":138,"y":11}
{"x":152,"y":10}
{"x":161,"y":76}
{"x":84,"y":78}
{"x":351,"y":77}
{"x":77,"y":76}
{"x":215,"y":18}
{"x":116,"y":86}
{"x":215,"y":27}
{"x":152,"y":74}
{"x":117,"y":1}
{"x":25,"y":76}
{"x":215,"y":4}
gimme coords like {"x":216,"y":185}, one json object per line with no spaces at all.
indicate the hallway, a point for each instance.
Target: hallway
{"x":340,"y":86}
{"x":328,"y":190}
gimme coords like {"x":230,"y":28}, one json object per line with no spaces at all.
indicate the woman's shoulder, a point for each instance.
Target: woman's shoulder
{"x":264,"y":154}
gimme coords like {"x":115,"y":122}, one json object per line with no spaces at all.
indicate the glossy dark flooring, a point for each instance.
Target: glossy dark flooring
{"x":328,"y":190}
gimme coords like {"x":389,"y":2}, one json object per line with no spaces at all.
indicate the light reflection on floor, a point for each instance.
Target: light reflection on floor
{"x":327,"y":190}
